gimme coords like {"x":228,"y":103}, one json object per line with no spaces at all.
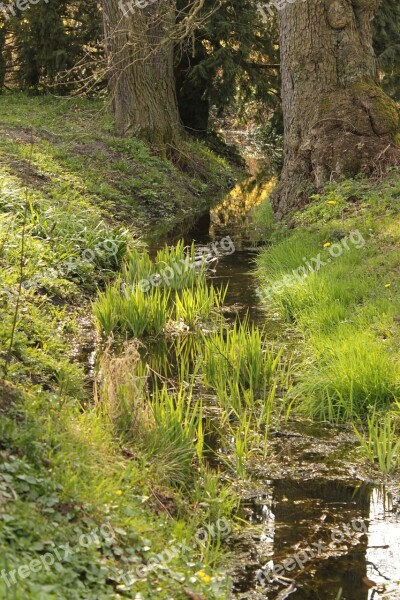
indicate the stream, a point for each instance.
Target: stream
{"x":316,"y":527}
{"x":315,"y":524}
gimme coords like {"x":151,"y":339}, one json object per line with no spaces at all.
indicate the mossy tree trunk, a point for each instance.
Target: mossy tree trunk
{"x":141,"y":69}
{"x":338,"y":121}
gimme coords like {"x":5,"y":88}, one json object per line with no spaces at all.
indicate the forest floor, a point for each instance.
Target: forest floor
{"x":88,"y":512}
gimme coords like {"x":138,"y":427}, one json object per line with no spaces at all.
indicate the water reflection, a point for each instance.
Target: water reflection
{"x":383,"y":553}
{"x":233,"y":214}
{"x":346,"y":539}
{"x":232,"y":217}
{"x":290,"y":516}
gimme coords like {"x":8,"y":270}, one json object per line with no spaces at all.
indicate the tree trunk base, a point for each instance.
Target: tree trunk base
{"x":354,"y":132}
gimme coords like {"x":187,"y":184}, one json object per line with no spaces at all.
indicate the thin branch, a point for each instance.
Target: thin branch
{"x":21,"y":271}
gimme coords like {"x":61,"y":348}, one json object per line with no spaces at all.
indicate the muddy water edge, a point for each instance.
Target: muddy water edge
{"x":316,"y":523}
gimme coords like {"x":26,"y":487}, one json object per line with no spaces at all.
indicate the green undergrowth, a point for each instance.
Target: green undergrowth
{"x":193,"y":376}
{"x":335,"y":276}
{"x":64,"y":481}
{"x":73,"y":197}
{"x":187,"y":399}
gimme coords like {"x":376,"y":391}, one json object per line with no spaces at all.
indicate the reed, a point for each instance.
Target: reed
{"x":196,"y":304}
{"x":174,"y":441}
{"x":240,"y":356}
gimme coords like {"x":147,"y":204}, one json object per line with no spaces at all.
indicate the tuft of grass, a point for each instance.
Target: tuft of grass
{"x":165,"y":424}
{"x":176,"y":438}
{"x":349,"y":378}
{"x":380,"y":443}
{"x":238,"y":359}
{"x":130,"y":308}
{"x":196,"y":304}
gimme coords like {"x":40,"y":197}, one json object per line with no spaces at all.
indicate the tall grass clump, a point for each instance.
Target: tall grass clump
{"x":175,"y":267}
{"x":123,"y":387}
{"x":348,"y":377}
{"x":164,"y":424}
{"x":144,"y":301}
{"x":238,"y":365}
{"x":198,"y":303}
{"x":177,"y":437}
{"x":131,"y":311}
{"x":137,"y":267}
{"x":380,"y":443}
{"x":345,"y":311}
{"x":185,"y":268}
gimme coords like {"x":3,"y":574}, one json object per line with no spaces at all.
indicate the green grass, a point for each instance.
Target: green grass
{"x":75,"y":196}
{"x":142,"y":302}
{"x":347,"y":310}
{"x":77,"y":156}
{"x":380,"y":443}
{"x":238,"y":360}
{"x":62,"y":476}
{"x":168,"y":396}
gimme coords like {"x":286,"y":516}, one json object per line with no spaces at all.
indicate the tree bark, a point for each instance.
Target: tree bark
{"x":141,"y":69}
{"x":338,"y":121}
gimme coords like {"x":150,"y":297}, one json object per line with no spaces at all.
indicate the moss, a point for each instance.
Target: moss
{"x":124,"y":178}
{"x":332,"y":101}
{"x":383,"y":110}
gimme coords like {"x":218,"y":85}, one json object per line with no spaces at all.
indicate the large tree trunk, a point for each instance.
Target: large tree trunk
{"x":338,"y":122}
{"x":141,"y":68}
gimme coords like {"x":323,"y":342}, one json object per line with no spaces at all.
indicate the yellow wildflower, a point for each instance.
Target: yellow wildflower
{"x":119,"y":492}
{"x":387,"y":285}
{"x":332,"y":202}
{"x":327,"y":244}
{"x":203,"y":576}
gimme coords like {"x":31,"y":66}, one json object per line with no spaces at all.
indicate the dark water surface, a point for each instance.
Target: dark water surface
{"x":320,"y":539}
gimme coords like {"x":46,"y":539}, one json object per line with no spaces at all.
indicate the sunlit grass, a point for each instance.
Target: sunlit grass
{"x":143,"y":301}
{"x":380,"y":443}
{"x":237,"y":359}
{"x":349,"y":377}
{"x":345,"y":310}
{"x":196,"y":304}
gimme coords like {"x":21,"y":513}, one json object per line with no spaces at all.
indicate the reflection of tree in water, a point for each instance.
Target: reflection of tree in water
{"x":309,"y":511}
{"x":232,"y":215}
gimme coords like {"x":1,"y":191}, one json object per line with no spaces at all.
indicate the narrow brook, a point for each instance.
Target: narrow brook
{"x":307,"y":532}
